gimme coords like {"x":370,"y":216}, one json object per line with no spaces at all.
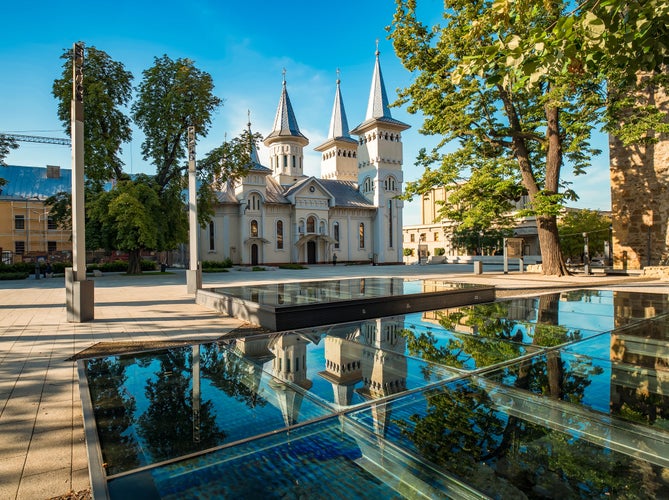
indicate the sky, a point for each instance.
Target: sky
{"x":244,"y":46}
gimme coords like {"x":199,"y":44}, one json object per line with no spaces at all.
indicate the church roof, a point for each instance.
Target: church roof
{"x":338,"y":123}
{"x":285,"y":123}
{"x":346,"y":193}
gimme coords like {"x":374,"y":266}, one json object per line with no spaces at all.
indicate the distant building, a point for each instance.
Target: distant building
{"x":433,"y":234}
{"x":27,"y":231}
{"x":276,"y":214}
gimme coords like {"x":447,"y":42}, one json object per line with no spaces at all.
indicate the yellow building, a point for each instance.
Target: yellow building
{"x":435,"y":233}
{"x":27,"y":231}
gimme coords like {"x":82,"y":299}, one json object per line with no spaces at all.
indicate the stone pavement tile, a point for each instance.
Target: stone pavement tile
{"x":54,"y":416}
{"x":49,"y":484}
{"x":16,"y":435}
{"x":20,"y":408}
{"x":11,"y":469}
{"x":49,"y":451}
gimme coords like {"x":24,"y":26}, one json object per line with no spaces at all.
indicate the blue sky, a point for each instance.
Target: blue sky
{"x":244,"y":46}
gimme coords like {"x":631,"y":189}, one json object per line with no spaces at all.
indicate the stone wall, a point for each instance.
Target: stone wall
{"x":639,"y":201}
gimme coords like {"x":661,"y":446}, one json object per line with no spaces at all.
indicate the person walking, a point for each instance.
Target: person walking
{"x":334,"y":259}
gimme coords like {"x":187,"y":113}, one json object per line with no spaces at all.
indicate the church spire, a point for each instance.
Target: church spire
{"x":338,"y":122}
{"x":253,"y":149}
{"x":377,"y":107}
{"x":285,"y":123}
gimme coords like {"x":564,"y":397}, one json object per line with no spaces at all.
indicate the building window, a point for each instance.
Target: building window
{"x":390,"y":184}
{"x":294,"y":162}
{"x":301,"y":226}
{"x":412,"y":237}
{"x":436,"y":236}
{"x":285,"y":162}
{"x":51,"y":246}
{"x":390,"y":223}
{"x":19,"y":222}
{"x":254,"y":228}
{"x":19,"y":247}
{"x":279,"y":234}
{"x":51,"y":224}
{"x":311,"y":224}
{"x":321,"y":227}
{"x":212,"y":245}
{"x":367,"y":186}
{"x":335,"y":233}
{"x":361,"y":235}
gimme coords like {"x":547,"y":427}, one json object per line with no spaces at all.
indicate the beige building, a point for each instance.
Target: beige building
{"x":27,"y":231}
{"x":432,"y":236}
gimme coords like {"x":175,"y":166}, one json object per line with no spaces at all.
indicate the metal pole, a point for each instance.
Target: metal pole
{"x":193,"y":276}
{"x":586,"y":256}
{"x":506,"y":257}
{"x":79,"y":291}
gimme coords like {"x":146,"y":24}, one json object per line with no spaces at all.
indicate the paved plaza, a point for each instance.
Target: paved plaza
{"x":42,"y":450}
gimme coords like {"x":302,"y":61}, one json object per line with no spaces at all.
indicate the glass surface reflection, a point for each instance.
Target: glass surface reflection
{"x":310,"y":292}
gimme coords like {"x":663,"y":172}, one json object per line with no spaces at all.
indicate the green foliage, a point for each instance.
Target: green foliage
{"x":107,"y":90}
{"x":576,"y":222}
{"x":11,"y":275}
{"x":258,"y":268}
{"x":213,"y":264}
{"x":439,"y":251}
{"x":6,"y":144}
{"x":172,"y":96}
{"x":407,"y":252}
{"x":291,"y":266}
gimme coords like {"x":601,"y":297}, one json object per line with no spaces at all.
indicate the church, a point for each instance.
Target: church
{"x":277,"y":215}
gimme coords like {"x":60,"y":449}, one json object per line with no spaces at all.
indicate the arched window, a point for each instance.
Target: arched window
{"x":279,"y":234}
{"x":212,"y":239}
{"x":254,"y":228}
{"x":301,"y":226}
{"x":335,"y":234}
{"x":254,"y":202}
{"x":390,"y":183}
{"x":367,"y":186}
{"x":321,"y":227}
{"x":361,"y":235}
{"x":311,"y":224}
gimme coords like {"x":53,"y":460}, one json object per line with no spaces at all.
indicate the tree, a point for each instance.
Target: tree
{"x":107,"y":89}
{"x":6,"y":144}
{"x":127,"y":217}
{"x":576,"y":222}
{"x":172,"y":96}
{"x":468,"y":94}
{"x":527,"y":80}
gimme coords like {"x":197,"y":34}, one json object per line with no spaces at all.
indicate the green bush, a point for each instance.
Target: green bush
{"x":408,"y":252}
{"x":439,"y":251}
{"x":291,"y":266}
{"x":13,"y":275}
{"x":59,"y":267}
{"x":148,"y":265}
{"x":213,"y":264}
{"x":258,"y":268}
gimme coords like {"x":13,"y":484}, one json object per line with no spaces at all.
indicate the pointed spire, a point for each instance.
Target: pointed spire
{"x":338,"y":122}
{"x":377,"y":107}
{"x":285,"y":123}
{"x":254,"y":150}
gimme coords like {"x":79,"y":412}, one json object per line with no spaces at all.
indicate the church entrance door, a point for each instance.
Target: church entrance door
{"x":311,"y":252}
{"x":254,"y":255}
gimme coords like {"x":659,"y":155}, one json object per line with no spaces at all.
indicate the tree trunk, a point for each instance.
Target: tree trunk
{"x":552,"y":263}
{"x":134,"y":262}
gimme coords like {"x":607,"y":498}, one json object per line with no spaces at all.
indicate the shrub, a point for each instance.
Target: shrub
{"x":408,"y":252}
{"x":147,"y":265}
{"x":439,"y":251}
{"x":258,"y":268}
{"x":13,"y":276}
{"x":291,"y":266}
{"x":213,"y":264}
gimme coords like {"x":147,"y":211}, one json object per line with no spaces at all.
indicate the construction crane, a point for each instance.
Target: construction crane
{"x":37,"y":138}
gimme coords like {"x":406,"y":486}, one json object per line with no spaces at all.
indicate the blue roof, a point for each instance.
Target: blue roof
{"x":31,"y":182}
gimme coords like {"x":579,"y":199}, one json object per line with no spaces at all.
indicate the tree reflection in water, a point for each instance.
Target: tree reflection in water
{"x":114,"y":409}
{"x":167,"y":425}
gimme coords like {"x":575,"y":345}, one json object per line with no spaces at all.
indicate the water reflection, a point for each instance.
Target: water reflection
{"x":310,"y":292}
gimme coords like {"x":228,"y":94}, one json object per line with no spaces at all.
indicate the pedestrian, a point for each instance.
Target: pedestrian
{"x":48,"y":271}
{"x":334,"y":259}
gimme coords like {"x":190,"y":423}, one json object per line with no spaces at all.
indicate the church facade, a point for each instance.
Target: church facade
{"x":276,"y":214}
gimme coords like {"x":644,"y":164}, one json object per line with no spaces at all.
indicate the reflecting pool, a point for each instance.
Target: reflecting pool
{"x":556,"y":396}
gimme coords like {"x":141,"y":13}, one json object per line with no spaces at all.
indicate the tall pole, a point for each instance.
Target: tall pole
{"x":193,"y":276}
{"x":79,"y":291}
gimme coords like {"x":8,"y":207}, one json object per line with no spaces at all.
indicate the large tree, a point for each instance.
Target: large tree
{"x":107,"y":90}
{"x":172,"y":96}
{"x":505,"y":79}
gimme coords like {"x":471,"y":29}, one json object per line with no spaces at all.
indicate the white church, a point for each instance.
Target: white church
{"x":277,"y":215}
